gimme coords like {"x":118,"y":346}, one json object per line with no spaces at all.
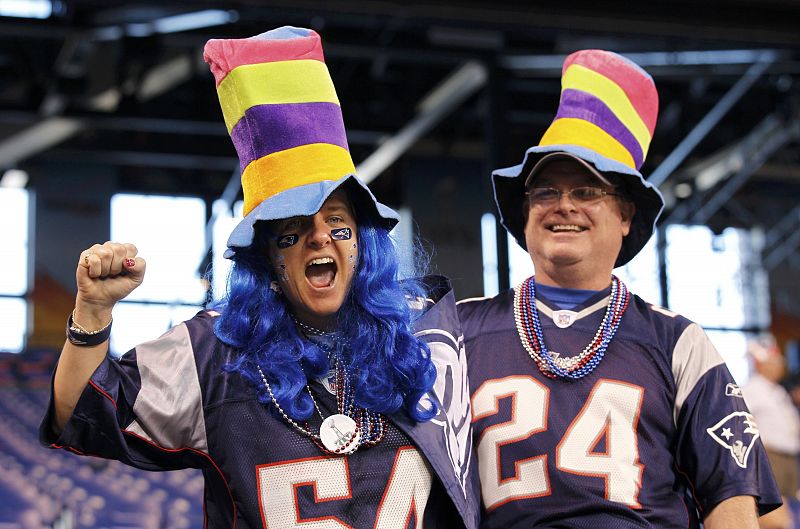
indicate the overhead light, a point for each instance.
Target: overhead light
{"x":37,"y":138}
{"x":683,"y":190}
{"x":14,"y":178}
{"x":26,"y":8}
{"x":183,"y":22}
{"x":196,"y":20}
{"x":165,"y":76}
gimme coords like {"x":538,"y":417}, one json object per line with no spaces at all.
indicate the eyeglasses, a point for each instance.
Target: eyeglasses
{"x":579,"y":195}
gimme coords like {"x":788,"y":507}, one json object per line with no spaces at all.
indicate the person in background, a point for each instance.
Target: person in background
{"x":778,"y":421}
{"x":321,"y":390}
{"x":591,"y":407}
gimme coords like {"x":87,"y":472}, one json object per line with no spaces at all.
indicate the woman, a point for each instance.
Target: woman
{"x":314,"y":392}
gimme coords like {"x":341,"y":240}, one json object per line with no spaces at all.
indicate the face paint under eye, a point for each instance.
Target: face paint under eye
{"x":285,"y":241}
{"x":341,"y":234}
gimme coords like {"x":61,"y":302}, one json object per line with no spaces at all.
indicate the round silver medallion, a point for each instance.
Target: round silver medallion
{"x":338,"y":434}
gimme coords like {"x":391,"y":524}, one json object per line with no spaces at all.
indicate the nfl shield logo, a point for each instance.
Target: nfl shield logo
{"x":564,"y":318}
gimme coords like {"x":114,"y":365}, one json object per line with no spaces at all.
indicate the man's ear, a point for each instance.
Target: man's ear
{"x":627,"y":209}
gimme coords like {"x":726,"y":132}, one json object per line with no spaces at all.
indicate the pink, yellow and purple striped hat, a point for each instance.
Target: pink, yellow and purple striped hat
{"x":283,"y":115}
{"x":606,"y":118}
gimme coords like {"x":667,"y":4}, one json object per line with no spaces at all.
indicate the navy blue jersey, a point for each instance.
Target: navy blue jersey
{"x":168,"y":404}
{"x":656,"y":436}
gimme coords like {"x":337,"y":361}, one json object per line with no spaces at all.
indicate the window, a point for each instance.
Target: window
{"x":520,"y":266}
{"x":14,"y":214}
{"x":169,"y":233}
{"x":402,"y":235}
{"x":224,"y":223}
{"x":491,"y":284}
{"x":713,"y":281}
{"x":640,"y":275}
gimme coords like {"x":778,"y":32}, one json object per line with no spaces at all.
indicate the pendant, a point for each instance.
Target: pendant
{"x":339,"y":434}
{"x":564,"y":318}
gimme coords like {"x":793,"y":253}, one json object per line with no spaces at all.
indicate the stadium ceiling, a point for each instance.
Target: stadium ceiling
{"x":123,"y":84}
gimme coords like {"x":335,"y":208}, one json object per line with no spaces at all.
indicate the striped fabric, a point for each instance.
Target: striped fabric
{"x":608,"y":105}
{"x":281,"y":110}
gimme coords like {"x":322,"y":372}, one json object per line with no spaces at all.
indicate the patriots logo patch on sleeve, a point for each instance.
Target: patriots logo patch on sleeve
{"x":738,"y":433}
{"x":732,"y":390}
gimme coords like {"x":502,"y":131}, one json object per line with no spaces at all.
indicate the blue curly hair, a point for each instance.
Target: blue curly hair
{"x":374,"y":326}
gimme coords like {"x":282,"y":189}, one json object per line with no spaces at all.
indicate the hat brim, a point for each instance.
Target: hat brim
{"x":560,"y":155}
{"x":306,"y":200}
{"x":509,"y":195}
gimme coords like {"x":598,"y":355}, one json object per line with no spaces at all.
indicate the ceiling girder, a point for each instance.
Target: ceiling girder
{"x":781,"y":240}
{"x":769,"y":137}
{"x":439,"y":103}
{"x":710,"y":120}
{"x":734,"y":169}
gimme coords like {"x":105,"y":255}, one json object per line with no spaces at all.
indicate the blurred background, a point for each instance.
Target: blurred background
{"x":110,"y":128}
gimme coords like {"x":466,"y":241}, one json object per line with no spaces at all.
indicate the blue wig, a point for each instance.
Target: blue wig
{"x":374,"y":330}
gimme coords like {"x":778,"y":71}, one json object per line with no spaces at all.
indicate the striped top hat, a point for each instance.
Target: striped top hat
{"x":605,"y":120}
{"x":283,"y":115}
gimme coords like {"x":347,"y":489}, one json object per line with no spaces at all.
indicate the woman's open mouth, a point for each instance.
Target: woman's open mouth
{"x":321,"y":272}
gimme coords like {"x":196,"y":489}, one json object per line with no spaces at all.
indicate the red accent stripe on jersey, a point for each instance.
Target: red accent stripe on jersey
{"x":106,"y":395}
{"x":196,"y":451}
{"x":205,"y":518}
{"x":71,"y":449}
{"x":689,"y":482}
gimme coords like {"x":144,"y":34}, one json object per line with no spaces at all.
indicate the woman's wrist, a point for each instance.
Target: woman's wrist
{"x":81,"y":336}
{"x":89,"y":316}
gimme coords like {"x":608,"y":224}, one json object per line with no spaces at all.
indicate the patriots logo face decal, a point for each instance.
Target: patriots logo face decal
{"x":738,"y":433}
{"x":341,"y":234}
{"x":285,"y":241}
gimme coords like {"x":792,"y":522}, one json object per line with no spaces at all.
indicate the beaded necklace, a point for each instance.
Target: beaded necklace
{"x":526,"y":317}
{"x":352,"y":426}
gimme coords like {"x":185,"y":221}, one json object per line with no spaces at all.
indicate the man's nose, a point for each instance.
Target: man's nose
{"x":565,"y":200}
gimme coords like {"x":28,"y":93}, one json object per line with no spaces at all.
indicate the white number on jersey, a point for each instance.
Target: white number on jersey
{"x":406,"y":493}
{"x":611,"y":413}
{"x":531,"y":480}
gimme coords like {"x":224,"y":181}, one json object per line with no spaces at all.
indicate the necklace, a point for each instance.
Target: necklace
{"x":552,"y":365}
{"x":345,"y":431}
{"x":308,"y":330}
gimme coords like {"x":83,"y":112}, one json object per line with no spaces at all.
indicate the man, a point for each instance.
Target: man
{"x":778,"y":420}
{"x":592,"y":408}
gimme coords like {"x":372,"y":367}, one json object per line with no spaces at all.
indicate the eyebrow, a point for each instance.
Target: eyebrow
{"x":337,"y":208}
{"x":553,"y":183}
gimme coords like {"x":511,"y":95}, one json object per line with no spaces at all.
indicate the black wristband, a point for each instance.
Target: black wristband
{"x":82,"y":339}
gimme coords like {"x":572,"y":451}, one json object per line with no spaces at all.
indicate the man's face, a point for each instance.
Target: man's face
{"x":315,"y":258}
{"x":566,"y":231}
